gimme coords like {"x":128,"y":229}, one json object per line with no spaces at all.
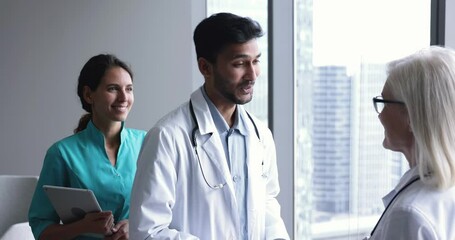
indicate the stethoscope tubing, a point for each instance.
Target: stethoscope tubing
{"x":194,"y":143}
{"x":391,"y":201}
{"x":196,"y":128}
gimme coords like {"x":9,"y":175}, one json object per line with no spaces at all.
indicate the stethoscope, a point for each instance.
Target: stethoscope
{"x":194,"y":143}
{"x":390,"y":203}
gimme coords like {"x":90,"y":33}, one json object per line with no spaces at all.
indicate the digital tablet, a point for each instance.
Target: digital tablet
{"x":71,"y":204}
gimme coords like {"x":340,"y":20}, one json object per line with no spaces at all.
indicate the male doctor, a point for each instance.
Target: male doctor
{"x":208,"y":170}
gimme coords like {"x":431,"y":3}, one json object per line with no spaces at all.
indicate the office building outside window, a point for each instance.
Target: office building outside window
{"x":342,"y":171}
{"x":341,"y":48}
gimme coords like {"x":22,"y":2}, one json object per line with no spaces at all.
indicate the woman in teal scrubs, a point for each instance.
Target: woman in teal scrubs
{"x":101,"y":155}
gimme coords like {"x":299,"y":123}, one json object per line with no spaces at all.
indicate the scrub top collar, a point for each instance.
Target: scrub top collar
{"x":93,"y":131}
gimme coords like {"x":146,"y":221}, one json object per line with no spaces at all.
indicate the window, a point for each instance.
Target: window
{"x":340,"y":51}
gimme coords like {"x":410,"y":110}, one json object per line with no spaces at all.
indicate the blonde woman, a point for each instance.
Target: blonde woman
{"x":417,"y":110}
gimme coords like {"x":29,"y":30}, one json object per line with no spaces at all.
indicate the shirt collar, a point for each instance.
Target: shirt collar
{"x":220,"y":123}
{"x":409,"y":176}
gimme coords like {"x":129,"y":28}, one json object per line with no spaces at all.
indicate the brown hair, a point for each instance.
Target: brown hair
{"x":90,"y":76}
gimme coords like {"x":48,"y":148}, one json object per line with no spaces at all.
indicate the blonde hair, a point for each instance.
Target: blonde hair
{"x":425,"y":82}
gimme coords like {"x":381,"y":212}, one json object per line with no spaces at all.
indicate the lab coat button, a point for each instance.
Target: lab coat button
{"x":236,"y":178}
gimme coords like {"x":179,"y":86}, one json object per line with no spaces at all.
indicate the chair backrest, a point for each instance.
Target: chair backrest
{"x":17,"y":231}
{"x":16,"y":193}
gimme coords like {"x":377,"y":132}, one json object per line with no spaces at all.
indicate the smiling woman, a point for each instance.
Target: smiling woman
{"x":101,"y":80}
{"x":113,"y":98}
{"x":101,"y":151}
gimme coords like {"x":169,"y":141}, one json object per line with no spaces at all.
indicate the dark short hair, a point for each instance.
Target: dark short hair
{"x":221,"y":29}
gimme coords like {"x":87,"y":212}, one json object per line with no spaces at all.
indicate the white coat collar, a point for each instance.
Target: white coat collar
{"x":410,"y":175}
{"x":201,"y":108}
{"x":205,"y":121}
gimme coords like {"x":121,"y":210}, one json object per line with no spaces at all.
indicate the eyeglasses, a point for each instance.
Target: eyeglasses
{"x":379,"y":103}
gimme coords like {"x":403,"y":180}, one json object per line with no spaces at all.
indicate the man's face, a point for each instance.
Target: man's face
{"x":232,"y":77}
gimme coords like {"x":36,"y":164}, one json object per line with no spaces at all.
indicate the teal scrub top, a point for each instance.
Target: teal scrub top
{"x":81,"y":161}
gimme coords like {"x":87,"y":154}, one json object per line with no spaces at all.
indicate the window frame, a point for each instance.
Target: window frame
{"x":282,"y":94}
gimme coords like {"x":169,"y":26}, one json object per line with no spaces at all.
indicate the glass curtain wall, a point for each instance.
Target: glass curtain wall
{"x":341,"y":50}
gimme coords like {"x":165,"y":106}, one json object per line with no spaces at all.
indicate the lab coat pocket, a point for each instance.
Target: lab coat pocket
{"x":259,"y":165}
{"x":261,"y":157}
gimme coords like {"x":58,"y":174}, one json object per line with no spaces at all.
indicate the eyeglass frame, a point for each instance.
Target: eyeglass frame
{"x":382,"y":100}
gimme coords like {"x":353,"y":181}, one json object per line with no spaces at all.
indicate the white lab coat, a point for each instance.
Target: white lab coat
{"x":419,"y":212}
{"x":171,"y":200}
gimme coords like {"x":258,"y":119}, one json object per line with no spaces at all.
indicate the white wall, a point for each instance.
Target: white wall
{"x":450,"y":24}
{"x":44,"y":44}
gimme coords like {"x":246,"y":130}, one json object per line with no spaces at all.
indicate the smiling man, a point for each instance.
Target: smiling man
{"x":208,"y":170}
